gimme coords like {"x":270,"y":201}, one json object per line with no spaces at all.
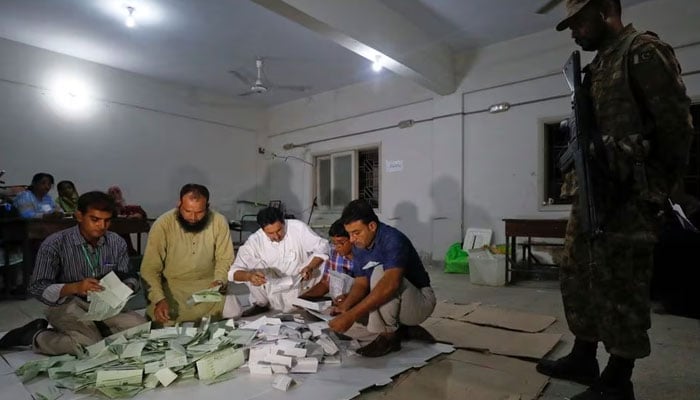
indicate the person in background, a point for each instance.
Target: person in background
{"x":67,"y":196}
{"x":126,"y":211}
{"x":35,"y":202}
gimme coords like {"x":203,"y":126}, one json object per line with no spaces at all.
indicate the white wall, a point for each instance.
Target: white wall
{"x":149,"y":137}
{"x":492,"y":160}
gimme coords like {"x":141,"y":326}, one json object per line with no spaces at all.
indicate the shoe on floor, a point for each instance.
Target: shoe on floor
{"x":255,"y":310}
{"x":381,"y":346}
{"x":624,"y":391}
{"x":571,"y":368}
{"x":23,"y":335}
{"x":416,"y":332}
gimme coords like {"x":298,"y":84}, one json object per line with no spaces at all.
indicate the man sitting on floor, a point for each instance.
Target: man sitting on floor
{"x":274,"y":260}
{"x":68,"y":266}
{"x":189,"y":249}
{"x":339,"y":261}
{"x":391,"y":288}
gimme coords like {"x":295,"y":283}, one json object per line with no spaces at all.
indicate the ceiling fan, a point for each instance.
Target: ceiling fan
{"x":262,"y":84}
{"x":548,"y":6}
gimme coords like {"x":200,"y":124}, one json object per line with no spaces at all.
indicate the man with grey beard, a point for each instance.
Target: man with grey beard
{"x":189,"y":249}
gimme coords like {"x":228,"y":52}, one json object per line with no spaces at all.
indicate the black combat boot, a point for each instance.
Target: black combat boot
{"x":579,"y":366}
{"x":615,"y":383}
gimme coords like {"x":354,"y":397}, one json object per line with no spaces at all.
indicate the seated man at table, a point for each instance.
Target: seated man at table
{"x":189,"y":249}
{"x":339,"y":261}
{"x":276,"y":259}
{"x":68,"y":266}
{"x":35,"y":202}
{"x":391,"y":291}
{"x":67,"y":196}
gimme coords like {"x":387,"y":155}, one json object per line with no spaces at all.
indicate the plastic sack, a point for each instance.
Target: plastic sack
{"x":456,"y":260}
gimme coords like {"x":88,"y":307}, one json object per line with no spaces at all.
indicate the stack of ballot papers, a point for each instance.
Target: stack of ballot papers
{"x":210,"y":295}
{"x":141,"y":358}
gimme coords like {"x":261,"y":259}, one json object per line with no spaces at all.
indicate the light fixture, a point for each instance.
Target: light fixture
{"x":377,"y":65}
{"x":130,"y":20}
{"x":500,"y":107}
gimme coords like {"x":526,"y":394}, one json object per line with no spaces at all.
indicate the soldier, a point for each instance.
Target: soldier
{"x":641,"y":110}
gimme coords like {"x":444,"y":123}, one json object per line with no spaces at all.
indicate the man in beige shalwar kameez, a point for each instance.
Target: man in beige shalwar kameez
{"x":189,"y":249}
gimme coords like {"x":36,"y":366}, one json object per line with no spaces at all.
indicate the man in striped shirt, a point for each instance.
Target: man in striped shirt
{"x":68,"y":266}
{"x":340,"y":260}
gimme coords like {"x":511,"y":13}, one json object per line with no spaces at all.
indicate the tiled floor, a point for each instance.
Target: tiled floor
{"x":671,"y":372}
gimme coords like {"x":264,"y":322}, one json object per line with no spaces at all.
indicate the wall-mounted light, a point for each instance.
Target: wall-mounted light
{"x":130,"y":20}
{"x":71,"y":96}
{"x":500,"y":107}
{"x":377,"y":65}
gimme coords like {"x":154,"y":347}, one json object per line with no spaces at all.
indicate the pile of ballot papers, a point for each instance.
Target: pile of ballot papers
{"x":141,"y":358}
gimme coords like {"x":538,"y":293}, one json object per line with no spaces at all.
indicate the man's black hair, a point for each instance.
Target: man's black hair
{"x":359,"y":210}
{"x":97,"y":201}
{"x":196,"y":190}
{"x":269,"y":215}
{"x":64,"y":183}
{"x":338,"y":230}
{"x":41,"y":175}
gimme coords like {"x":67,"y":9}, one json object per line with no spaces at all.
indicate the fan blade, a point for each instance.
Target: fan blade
{"x":248,"y":93}
{"x":241,"y":77}
{"x":547,"y":7}
{"x":295,"y":88}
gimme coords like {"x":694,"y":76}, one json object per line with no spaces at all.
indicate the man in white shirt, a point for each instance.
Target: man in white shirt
{"x":277,"y":260}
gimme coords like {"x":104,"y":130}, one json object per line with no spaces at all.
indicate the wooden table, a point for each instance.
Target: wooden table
{"x":529,"y":228}
{"x":29,"y":233}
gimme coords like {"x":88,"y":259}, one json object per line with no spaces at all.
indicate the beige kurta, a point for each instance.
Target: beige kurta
{"x":177,"y":263}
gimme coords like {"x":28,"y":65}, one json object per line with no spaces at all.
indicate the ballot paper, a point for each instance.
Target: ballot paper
{"x":312,"y":305}
{"x":130,"y":377}
{"x":108,"y":302}
{"x":339,"y":283}
{"x":283,"y":284}
{"x":307,"y":365}
{"x":219,"y":363}
{"x":166,"y":376}
{"x":282,"y":382}
{"x":210,"y":295}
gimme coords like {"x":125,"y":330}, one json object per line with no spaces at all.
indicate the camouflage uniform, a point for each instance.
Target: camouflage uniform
{"x":642,"y":112}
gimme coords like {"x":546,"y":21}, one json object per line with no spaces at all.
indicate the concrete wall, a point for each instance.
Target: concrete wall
{"x":459,"y":172}
{"x":149,"y":137}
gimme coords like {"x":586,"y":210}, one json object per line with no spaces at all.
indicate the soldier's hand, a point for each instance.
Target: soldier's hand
{"x":162,"y":311}
{"x":87,"y":285}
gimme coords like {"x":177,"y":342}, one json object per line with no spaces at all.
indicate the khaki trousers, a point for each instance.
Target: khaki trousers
{"x":68,"y":332}
{"x":410,"y":306}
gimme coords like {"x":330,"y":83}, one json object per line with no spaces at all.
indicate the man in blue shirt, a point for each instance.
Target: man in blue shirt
{"x":35,"y":202}
{"x":391,"y":288}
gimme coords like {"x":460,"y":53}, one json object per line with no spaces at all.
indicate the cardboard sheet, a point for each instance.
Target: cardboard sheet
{"x":509,"y":319}
{"x":497,"y":341}
{"x":470,"y":375}
{"x":453,"y":311}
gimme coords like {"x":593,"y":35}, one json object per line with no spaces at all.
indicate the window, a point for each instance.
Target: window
{"x":343,"y":176}
{"x":555,"y":142}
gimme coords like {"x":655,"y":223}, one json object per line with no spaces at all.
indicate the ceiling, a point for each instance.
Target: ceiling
{"x":196,"y":42}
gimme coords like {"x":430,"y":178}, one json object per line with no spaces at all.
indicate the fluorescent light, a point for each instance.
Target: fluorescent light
{"x":377,"y":65}
{"x":130,"y":20}
{"x":500,"y":107}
